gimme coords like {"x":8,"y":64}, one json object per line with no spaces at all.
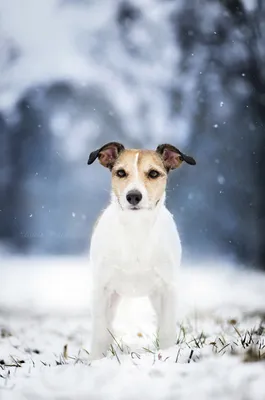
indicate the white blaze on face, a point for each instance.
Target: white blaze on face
{"x":136,"y":167}
{"x":136,"y":183}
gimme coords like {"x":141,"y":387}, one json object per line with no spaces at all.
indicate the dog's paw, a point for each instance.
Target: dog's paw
{"x":167,"y":341}
{"x":94,"y":356}
{"x":98,"y":352}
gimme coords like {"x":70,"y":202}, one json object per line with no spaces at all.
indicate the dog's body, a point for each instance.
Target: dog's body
{"x":135,"y":247}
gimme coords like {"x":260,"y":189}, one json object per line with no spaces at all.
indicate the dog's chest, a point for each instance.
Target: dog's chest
{"x":134,"y":253}
{"x":134,"y":273}
{"x":133,"y":244}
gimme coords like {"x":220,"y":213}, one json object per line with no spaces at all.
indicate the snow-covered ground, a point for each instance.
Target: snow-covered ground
{"x":45,"y":329}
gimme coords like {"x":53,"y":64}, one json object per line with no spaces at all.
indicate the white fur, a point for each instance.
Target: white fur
{"x":136,"y":166}
{"x":134,"y":253}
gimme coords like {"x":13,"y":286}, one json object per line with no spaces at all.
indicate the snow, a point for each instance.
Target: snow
{"x":221,"y":179}
{"x":44,"y":306}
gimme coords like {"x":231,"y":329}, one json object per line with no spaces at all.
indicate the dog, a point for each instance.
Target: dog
{"x":135,"y":246}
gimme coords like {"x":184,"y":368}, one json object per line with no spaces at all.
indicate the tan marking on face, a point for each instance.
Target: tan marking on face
{"x":137,"y":164}
{"x":148,"y":161}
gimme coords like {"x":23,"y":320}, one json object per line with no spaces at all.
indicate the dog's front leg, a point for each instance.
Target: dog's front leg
{"x":164,"y":304}
{"x":104,"y":306}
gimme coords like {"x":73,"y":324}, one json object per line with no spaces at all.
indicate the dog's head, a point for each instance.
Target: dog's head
{"x":139,"y":177}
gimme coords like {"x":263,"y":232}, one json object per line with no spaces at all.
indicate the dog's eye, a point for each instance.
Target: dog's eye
{"x":153,"y":174}
{"x":121,"y":173}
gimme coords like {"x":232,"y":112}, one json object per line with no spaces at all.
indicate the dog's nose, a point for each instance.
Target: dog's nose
{"x":134,"y":197}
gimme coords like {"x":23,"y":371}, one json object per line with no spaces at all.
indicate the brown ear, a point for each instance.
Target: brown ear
{"x":173,"y":157}
{"x":107,"y":154}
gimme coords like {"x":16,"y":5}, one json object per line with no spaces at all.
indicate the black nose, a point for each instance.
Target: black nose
{"x":134,"y":197}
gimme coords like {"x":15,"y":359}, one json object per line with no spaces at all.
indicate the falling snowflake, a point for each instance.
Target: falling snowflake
{"x":221,"y":179}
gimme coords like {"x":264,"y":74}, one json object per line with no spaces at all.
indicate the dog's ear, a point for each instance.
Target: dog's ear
{"x":173,"y":157}
{"x":107,"y":154}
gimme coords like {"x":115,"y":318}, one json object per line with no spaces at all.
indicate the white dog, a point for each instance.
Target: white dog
{"x":135,"y":247}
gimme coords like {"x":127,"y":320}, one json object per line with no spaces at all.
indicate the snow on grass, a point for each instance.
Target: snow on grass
{"x":45,"y":330}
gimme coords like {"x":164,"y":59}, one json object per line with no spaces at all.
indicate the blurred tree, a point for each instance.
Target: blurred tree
{"x":223,"y":50}
{"x":6,"y":193}
{"x":251,"y":26}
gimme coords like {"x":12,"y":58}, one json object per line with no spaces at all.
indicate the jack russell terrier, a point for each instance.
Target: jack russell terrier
{"x":135,"y":247}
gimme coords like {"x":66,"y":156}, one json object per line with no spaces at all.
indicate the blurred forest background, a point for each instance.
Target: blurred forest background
{"x":75,"y":74}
